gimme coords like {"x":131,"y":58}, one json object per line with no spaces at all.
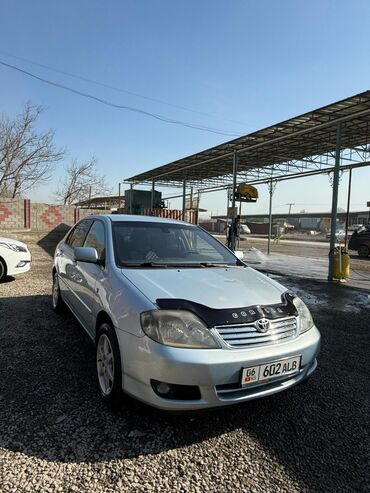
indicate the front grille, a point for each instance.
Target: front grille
{"x":247,"y":335}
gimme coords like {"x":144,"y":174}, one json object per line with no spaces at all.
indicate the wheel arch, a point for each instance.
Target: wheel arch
{"x":2,"y":260}
{"x":101,"y":318}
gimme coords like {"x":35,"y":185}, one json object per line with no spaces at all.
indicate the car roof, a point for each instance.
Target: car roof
{"x":137,"y":218}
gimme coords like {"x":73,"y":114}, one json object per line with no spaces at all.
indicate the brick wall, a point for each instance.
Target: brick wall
{"x":12,"y":214}
{"x":22,"y":214}
{"x":46,"y":217}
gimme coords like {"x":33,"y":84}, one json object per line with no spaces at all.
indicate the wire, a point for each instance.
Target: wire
{"x":120,"y":106}
{"x":108,"y":86}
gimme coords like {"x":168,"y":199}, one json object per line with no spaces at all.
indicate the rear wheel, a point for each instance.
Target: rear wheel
{"x":363,"y":251}
{"x":58,"y":303}
{"x":108,"y":365}
{"x":2,"y":269}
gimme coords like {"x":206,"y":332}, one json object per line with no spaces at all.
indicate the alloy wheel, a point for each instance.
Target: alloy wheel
{"x":105,"y":364}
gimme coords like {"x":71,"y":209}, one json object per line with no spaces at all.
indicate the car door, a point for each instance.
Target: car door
{"x":69,"y":275}
{"x":91,"y":274}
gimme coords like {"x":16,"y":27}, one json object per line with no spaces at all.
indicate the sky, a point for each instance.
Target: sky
{"x":237,"y":65}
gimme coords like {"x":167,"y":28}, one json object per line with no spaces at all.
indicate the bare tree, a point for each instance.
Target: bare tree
{"x":82,"y":181}
{"x":27,"y":156}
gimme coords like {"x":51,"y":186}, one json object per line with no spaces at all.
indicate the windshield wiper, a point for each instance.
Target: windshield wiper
{"x":175,"y":264}
{"x":215,"y":264}
{"x":143,"y":264}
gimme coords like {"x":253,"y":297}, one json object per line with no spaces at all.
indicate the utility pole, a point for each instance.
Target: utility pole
{"x":290,"y":207}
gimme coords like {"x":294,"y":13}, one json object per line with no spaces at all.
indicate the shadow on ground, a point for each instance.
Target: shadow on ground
{"x":52,"y":238}
{"x":7,"y":279}
{"x":50,"y":409}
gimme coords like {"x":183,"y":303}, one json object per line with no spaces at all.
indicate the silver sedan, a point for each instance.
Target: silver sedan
{"x":179,"y":322}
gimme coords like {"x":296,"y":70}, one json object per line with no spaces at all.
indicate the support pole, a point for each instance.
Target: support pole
{"x":152,"y":197}
{"x":334,"y":205}
{"x":131,"y":193}
{"x":119,"y":196}
{"x":348,"y":205}
{"x":233,"y":218}
{"x":197,"y":211}
{"x":271,"y":192}
{"x":183,"y":199}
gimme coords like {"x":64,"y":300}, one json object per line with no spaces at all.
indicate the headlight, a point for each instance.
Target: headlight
{"x":177,"y":328}
{"x":12,"y":246}
{"x":305,"y":318}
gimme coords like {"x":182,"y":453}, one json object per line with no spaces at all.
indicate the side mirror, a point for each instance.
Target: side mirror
{"x":239,"y":254}
{"x":86,"y":254}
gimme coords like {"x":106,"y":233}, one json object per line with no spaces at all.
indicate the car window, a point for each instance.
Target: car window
{"x":78,"y":234}
{"x":96,"y":238}
{"x":170,"y":244}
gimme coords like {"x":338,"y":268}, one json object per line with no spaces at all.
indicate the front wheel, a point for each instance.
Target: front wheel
{"x":2,"y":270}
{"x":108,"y":366}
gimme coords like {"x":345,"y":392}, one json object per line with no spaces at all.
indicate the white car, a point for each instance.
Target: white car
{"x":15,"y":258}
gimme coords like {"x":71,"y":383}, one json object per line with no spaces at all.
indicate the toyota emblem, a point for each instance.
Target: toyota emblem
{"x":262,"y":325}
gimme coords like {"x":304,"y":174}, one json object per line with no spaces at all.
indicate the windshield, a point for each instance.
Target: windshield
{"x":151,"y":244}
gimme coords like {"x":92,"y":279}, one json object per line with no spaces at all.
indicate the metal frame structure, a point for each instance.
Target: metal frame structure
{"x":329,"y":139}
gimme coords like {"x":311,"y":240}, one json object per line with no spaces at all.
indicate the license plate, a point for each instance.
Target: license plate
{"x":265,"y":373}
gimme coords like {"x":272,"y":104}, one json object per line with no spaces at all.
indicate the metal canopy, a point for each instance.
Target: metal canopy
{"x":302,"y":145}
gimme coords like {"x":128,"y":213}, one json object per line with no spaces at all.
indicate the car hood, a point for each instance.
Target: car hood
{"x":10,"y":240}
{"x":217,"y":287}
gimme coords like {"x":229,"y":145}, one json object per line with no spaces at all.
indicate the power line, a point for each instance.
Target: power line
{"x":114,"y":88}
{"x":119,"y":106}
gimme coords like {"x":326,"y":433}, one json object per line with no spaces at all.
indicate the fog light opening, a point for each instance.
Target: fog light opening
{"x":22,"y":263}
{"x":175,"y":391}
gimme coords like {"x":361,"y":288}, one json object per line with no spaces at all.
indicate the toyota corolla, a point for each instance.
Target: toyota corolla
{"x":177,"y":319}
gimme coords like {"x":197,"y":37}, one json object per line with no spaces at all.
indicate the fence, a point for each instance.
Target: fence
{"x":171,"y":214}
{"x":23,"y":214}
{"x":19,"y":214}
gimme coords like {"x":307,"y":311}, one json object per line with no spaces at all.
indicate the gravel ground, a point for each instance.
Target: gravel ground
{"x":56,"y":435}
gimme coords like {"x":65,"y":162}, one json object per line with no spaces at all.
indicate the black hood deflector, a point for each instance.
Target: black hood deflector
{"x":231,"y":316}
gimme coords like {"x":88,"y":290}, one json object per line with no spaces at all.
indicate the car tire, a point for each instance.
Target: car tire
{"x":2,"y":269}
{"x":57,"y":301}
{"x":363,"y":251}
{"x":108,"y":366}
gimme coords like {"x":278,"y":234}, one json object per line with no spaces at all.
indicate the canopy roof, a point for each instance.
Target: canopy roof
{"x":300,"y":145}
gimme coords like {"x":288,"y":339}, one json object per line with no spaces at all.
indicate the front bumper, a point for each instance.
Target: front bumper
{"x":217,"y":372}
{"x":18,"y":263}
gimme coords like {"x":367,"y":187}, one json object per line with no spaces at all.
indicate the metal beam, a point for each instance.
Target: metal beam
{"x":294,"y":176}
{"x":183,"y":199}
{"x":152,"y":196}
{"x":348,"y":205}
{"x":334,"y":204}
{"x":271,"y":192}
{"x":131,"y":192}
{"x":233,"y":217}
